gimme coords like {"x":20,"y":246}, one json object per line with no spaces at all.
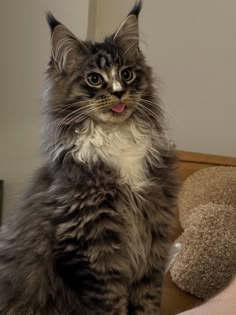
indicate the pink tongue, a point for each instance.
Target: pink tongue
{"x":119,"y":108}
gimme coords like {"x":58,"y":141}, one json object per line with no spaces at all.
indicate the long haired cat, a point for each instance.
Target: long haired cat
{"x":91,"y":235}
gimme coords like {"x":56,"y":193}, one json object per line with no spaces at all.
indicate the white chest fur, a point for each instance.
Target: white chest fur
{"x":125,"y":148}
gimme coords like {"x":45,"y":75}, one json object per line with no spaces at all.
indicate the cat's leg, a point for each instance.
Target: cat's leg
{"x":99,"y":292}
{"x":89,"y":259}
{"x":108,"y":299}
{"x":145,"y":297}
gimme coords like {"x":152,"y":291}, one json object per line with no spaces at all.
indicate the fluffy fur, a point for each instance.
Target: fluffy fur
{"x":91,"y":235}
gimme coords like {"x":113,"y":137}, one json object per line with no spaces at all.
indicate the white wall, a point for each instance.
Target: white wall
{"x":24,"y":54}
{"x":192,"y":46}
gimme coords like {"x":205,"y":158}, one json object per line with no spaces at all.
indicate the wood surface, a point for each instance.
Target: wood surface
{"x":189,"y":162}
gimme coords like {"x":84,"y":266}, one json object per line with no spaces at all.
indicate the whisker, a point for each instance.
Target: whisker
{"x":156,"y":104}
{"x":156,"y":118}
{"x":163,"y":108}
{"x":77,"y":115}
{"x":148,"y":111}
{"x":140,"y":109}
{"x":68,"y":106}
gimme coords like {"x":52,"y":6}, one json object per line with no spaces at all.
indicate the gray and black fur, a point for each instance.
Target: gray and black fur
{"x":91,"y":235}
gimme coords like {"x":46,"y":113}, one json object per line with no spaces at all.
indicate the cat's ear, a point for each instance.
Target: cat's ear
{"x":67,"y":50}
{"x":127,"y":35}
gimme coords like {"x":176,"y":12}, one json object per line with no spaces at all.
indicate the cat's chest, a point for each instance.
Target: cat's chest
{"x":124,"y":149}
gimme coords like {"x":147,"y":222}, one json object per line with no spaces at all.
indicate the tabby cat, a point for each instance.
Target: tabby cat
{"x":91,"y":235}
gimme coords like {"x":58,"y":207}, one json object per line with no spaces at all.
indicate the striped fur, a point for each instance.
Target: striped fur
{"x":91,"y":235}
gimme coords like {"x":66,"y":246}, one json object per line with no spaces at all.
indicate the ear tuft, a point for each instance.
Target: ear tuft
{"x":52,"y":22}
{"x":127,"y":35}
{"x":67,"y":50}
{"x":137,"y":8}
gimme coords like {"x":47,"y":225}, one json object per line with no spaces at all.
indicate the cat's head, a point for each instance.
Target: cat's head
{"x":106,"y":82}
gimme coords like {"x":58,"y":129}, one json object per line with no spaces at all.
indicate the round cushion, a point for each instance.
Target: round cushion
{"x":213,"y":184}
{"x":207,"y":259}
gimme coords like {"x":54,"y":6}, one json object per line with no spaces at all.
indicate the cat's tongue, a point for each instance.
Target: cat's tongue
{"x":119,"y":108}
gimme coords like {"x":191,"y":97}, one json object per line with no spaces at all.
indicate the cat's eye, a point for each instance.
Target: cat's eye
{"x":127,"y":75}
{"x":95,"y":79}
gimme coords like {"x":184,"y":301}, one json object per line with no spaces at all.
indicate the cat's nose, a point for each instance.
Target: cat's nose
{"x":118,"y":94}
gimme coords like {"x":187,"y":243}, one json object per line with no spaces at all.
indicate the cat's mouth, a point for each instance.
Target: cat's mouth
{"x":118,"y":108}
{"x":116,"y":112}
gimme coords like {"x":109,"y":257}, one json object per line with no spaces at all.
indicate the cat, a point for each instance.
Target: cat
{"x":92,"y":233}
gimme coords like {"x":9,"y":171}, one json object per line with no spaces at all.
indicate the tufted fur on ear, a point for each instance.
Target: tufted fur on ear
{"x":67,"y":50}
{"x":127,"y":35}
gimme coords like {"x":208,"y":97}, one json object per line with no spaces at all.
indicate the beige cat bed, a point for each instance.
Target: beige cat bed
{"x":207,"y":208}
